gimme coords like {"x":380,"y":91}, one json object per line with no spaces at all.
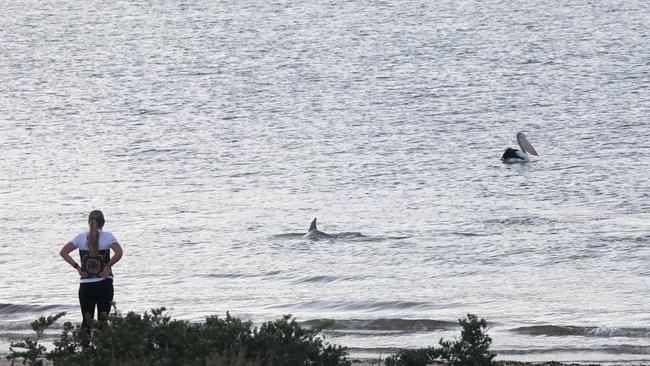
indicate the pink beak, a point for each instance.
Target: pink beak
{"x":525,"y":145}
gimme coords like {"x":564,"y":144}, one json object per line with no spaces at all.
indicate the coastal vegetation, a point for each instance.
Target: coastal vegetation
{"x":471,"y":349}
{"x":154,"y":339}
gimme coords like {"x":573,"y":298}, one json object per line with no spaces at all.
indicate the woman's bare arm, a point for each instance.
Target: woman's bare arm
{"x":117,"y":255}
{"x":65,"y":253}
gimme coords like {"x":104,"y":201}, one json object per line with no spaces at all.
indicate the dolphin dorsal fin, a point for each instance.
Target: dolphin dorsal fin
{"x":312,"y":226}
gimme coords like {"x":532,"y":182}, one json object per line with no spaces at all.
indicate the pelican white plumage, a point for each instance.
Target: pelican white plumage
{"x":519,"y":156}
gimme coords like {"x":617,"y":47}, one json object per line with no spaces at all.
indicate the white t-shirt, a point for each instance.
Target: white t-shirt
{"x":94,"y":265}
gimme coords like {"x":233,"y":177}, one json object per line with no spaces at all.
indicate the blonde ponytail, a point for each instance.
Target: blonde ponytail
{"x":93,"y":237}
{"x":95,"y":223}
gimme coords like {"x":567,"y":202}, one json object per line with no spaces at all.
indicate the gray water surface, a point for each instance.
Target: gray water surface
{"x":212,"y":133}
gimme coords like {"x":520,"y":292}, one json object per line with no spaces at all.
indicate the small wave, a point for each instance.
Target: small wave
{"x":339,"y":236}
{"x":562,"y":331}
{"x":642,"y":239}
{"x":48,"y":335}
{"x":372,"y":351}
{"x":531,"y":62}
{"x":523,"y":220}
{"x":505,"y":353}
{"x":565,"y":167}
{"x":356,"y":236}
{"x":320,"y":279}
{"x":228,"y":275}
{"x":461,"y":233}
{"x":13,"y":309}
{"x":409,"y":325}
{"x":4,"y":327}
{"x":289,"y":236}
{"x":146,"y":112}
{"x":350,"y":236}
{"x":26,"y":327}
{"x":627,"y":349}
{"x":357,"y":305}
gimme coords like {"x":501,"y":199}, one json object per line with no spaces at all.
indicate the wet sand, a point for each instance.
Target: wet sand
{"x":377,"y":362}
{"x":5,"y":362}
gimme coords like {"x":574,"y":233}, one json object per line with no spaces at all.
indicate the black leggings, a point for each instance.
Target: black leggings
{"x":95,"y":293}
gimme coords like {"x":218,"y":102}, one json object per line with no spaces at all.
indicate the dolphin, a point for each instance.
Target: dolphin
{"x":315,"y":234}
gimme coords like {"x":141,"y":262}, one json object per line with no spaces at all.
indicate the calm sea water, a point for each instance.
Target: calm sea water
{"x":211,"y":132}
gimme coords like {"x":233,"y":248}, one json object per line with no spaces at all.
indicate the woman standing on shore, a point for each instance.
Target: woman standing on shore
{"x":96,"y":282}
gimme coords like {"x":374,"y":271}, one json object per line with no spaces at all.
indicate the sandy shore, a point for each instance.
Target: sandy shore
{"x":377,"y":362}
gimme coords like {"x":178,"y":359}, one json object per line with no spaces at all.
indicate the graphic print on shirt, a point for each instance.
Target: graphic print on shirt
{"x":94,"y":265}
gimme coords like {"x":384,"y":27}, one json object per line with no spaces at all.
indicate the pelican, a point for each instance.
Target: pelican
{"x":519,"y":156}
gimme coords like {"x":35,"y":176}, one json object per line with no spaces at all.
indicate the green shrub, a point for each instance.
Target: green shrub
{"x":284,"y":342}
{"x":33,"y":351}
{"x":472,"y":349}
{"x":154,"y":339}
{"x":412,"y":357}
